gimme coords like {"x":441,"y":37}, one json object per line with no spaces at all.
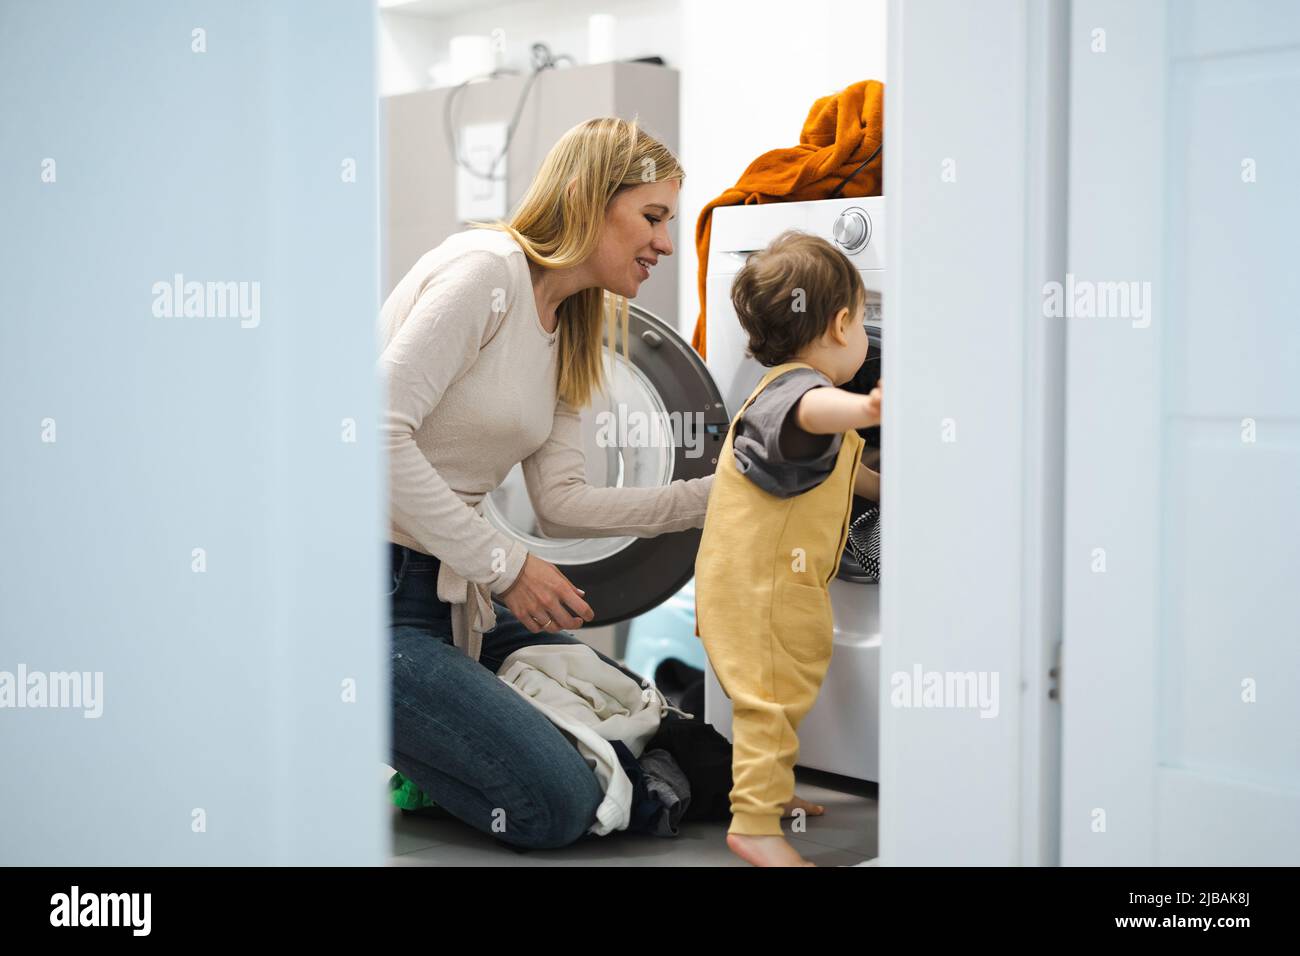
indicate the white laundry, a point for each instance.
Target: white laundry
{"x":593,"y":703}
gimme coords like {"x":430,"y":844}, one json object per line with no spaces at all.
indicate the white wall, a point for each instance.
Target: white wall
{"x":410,"y":44}
{"x":746,"y":85}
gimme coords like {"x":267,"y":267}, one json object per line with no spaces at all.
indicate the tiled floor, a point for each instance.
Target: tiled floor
{"x":844,"y":836}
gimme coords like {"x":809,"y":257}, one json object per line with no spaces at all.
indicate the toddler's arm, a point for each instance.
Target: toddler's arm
{"x":828,"y":411}
{"x":866,"y":484}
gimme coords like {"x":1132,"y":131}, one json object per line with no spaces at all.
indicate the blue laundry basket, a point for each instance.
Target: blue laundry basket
{"x":667,"y":631}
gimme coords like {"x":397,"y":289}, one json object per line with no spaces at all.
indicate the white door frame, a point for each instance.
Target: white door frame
{"x":973,"y":437}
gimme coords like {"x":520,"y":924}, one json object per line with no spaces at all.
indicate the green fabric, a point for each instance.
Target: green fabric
{"x":406,"y":795}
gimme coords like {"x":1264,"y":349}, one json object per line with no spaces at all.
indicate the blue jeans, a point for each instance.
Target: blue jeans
{"x":474,"y":745}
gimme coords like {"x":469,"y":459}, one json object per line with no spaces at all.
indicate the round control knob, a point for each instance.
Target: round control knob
{"x":852,"y":230}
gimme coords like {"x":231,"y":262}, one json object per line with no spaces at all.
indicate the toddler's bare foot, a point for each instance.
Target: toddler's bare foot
{"x":765,"y":850}
{"x":798,"y":803}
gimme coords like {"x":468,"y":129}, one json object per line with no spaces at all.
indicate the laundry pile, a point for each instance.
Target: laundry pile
{"x":608,"y":716}
{"x":838,"y":154}
{"x":657,"y":765}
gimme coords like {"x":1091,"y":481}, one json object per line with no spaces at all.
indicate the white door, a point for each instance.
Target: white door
{"x":1181,"y":676}
{"x":191,"y":482}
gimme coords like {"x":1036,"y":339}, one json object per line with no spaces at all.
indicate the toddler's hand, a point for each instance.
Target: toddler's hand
{"x":873,"y":406}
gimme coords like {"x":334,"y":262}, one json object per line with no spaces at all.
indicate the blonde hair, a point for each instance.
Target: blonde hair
{"x":558,"y":224}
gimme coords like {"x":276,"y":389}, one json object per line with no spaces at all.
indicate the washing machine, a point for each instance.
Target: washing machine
{"x":663,"y":377}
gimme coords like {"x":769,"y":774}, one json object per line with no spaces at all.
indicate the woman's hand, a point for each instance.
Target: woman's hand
{"x":543,"y":599}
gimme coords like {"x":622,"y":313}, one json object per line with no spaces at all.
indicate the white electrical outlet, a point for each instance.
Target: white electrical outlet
{"x":478,"y":198}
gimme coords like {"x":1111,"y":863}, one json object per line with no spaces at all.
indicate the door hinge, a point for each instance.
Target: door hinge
{"x":1054,"y":674}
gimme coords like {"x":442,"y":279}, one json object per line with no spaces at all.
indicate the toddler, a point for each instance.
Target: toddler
{"x":778,"y":520}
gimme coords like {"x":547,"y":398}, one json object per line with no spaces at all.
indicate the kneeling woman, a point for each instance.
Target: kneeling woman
{"x":491,"y":345}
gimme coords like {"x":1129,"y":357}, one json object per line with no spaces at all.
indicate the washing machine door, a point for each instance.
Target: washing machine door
{"x":664,"y":381}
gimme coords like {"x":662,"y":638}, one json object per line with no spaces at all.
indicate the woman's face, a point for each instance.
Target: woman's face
{"x":634,"y":236}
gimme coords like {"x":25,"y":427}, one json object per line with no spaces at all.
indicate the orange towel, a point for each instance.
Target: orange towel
{"x":840,"y":133}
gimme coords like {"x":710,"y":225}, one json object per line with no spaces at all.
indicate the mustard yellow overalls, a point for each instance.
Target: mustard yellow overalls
{"x":763,"y":611}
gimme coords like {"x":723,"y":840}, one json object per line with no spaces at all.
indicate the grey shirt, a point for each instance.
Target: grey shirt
{"x":757,"y":440}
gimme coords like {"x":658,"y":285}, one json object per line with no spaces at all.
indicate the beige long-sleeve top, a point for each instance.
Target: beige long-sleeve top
{"x":471,"y":379}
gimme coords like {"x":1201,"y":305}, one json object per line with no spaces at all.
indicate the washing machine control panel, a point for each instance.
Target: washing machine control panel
{"x":852,"y":229}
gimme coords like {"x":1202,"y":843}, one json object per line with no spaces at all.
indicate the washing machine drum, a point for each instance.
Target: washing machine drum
{"x":865,"y":514}
{"x":664,"y":381}
{"x":866,"y":379}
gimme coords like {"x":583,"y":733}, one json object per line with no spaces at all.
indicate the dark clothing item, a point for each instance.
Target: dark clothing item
{"x":645,"y":808}
{"x":669,"y":786}
{"x":660,"y":791}
{"x":704,"y":756}
{"x":757,"y":441}
{"x":681,"y":684}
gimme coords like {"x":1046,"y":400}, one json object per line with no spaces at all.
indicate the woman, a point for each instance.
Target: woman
{"x":491,"y":344}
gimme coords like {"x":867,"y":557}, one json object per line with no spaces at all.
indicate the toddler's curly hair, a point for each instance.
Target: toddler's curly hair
{"x":785,"y":295}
